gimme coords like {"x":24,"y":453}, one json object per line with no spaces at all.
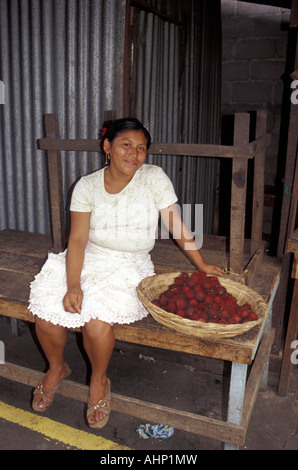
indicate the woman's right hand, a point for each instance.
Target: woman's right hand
{"x":73,"y":299}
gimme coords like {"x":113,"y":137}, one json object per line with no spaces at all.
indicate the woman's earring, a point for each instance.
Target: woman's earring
{"x":107,"y":158}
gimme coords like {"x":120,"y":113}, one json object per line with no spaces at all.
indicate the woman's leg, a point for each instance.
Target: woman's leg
{"x":52,"y":339}
{"x":99,"y":340}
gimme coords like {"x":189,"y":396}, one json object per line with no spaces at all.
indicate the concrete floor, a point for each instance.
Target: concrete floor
{"x":173,"y":379}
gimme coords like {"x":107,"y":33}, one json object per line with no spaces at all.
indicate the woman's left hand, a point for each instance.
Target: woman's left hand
{"x":212,"y":269}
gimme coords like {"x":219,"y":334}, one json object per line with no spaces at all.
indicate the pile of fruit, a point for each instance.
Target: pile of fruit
{"x":199,"y":297}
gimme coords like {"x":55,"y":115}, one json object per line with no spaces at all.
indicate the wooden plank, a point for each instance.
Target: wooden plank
{"x":17,"y":242}
{"x":15,"y":310}
{"x":55,"y":185}
{"x":292,"y":231}
{"x":150,"y":333}
{"x":194,"y":150}
{"x":254,"y":264}
{"x":255,"y":377}
{"x":291,"y":155}
{"x":294,"y":273}
{"x":189,"y":422}
{"x":294,"y":14}
{"x":291,"y":336}
{"x":258,"y":186}
{"x":238,"y":196}
{"x":22,"y":264}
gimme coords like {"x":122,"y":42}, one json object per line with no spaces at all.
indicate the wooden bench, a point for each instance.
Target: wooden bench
{"x":22,"y":254}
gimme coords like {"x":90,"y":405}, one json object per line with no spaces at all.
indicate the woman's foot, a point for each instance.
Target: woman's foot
{"x":46,"y":389}
{"x":99,"y":403}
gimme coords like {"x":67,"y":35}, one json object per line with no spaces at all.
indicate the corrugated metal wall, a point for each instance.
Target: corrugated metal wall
{"x":66,"y":56}
{"x":181,"y":108}
{"x":59,"y":56}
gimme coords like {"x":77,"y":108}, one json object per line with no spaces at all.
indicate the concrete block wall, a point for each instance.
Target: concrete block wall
{"x":254,"y":45}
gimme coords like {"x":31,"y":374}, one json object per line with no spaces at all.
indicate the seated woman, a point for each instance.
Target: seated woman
{"x":92,"y":284}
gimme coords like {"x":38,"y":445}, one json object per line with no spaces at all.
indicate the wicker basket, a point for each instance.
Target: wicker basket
{"x":151,"y":287}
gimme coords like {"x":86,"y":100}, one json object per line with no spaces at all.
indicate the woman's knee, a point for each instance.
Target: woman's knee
{"x":97,"y":328}
{"x":47,"y":327}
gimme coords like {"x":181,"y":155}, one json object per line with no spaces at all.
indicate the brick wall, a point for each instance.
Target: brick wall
{"x":253,"y":63}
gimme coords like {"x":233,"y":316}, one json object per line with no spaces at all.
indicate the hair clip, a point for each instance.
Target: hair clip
{"x":104,"y":131}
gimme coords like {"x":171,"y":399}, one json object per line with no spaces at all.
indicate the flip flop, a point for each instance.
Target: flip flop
{"x":47,"y":396}
{"x":102,"y":406}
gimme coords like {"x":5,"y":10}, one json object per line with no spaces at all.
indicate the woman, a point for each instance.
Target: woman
{"x":114,"y":215}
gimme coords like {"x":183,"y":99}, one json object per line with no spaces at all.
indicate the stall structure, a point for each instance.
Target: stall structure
{"x":23,"y":253}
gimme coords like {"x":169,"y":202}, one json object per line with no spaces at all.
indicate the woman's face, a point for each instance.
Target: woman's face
{"x":128,"y":152}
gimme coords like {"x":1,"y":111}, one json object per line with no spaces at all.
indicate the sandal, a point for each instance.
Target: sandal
{"x":46,"y":395}
{"x":101,"y":406}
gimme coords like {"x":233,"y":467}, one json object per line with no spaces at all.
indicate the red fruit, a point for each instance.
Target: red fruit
{"x":185,"y":288}
{"x":208,"y":300}
{"x":169,"y":293}
{"x":224,"y":314}
{"x":181,"y":313}
{"x":196,"y":276}
{"x":189,"y":312}
{"x":175,"y":289}
{"x":180,"y":304}
{"x":171,"y":307}
{"x":204,"y":317}
{"x":179,"y":281}
{"x":207,"y":285}
{"x":202,"y":275}
{"x":199,"y":295}
{"x":191,"y":282}
{"x":253,"y":316}
{"x":247,"y":306}
{"x":237,"y":318}
{"x":196,"y":315}
{"x":184,"y":276}
{"x":217,"y":299}
{"x":163,"y":300}
{"x":243,"y":312}
{"x":189,"y":294}
{"x":193,"y":302}
{"x":214,"y":281}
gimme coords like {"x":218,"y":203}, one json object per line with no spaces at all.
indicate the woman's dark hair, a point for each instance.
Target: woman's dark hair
{"x":111,"y":129}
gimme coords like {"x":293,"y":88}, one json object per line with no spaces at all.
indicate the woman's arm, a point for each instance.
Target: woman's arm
{"x":173,"y":222}
{"x":80,"y":223}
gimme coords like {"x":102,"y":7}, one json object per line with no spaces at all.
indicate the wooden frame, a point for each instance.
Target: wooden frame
{"x":240,"y":152}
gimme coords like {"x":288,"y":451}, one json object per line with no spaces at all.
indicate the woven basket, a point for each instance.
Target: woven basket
{"x":151,"y":287}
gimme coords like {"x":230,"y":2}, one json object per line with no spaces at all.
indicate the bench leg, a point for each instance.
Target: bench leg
{"x":236,"y":397}
{"x":14,"y":326}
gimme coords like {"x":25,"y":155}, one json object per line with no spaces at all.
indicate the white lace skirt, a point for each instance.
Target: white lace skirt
{"x":108,"y":281}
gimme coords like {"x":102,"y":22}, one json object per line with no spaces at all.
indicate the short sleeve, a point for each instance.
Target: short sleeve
{"x":164,"y":192}
{"x":81,"y":198}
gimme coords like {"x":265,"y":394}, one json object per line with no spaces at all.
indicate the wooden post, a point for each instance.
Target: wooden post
{"x":291,"y":336}
{"x":238,"y":195}
{"x":55,"y":185}
{"x":258,"y":186}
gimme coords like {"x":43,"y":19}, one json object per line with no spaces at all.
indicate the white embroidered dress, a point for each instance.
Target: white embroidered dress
{"x":122,"y":233}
